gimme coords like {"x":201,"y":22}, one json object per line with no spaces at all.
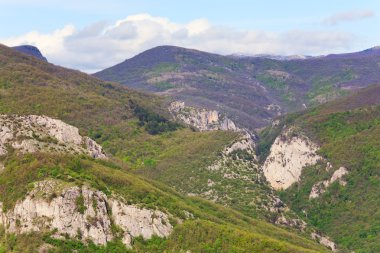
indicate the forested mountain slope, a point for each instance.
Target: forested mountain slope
{"x":338,"y":193}
{"x":249,"y":90}
{"x":56,"y":196}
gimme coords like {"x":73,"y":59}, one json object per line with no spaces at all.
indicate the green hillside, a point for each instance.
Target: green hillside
{"x":134,"y":128}
{"x":249,"y":90}
{"x":223,"y":224}
{"x":348,"y":131}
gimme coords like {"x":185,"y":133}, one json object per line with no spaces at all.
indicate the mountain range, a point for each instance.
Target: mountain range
{"x":178,"y":150}
{"x":249,"y":90}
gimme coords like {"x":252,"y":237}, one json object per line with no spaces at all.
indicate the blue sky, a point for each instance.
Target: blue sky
{"x":67,"y":31}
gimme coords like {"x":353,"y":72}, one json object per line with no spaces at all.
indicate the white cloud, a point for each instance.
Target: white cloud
{"x":348,"y":16}
{"x":50,"y":43}
{"x":102,"y":45}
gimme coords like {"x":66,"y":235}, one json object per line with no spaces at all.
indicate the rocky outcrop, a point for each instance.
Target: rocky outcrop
{"x":33,"y":133}
{"x":320,"y":187}
{"x":139,"y":222}
{"x":289,"y":154}
{"x":324,"y":241}
{"x":238,"y":165}
{"x":245,"y":143}
{"x":82,"y":213}
{"x":202,"y":119}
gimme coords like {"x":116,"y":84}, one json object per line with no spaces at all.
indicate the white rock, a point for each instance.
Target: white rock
{"x":33,"y":133}
{"x":53,"y":205}
{"x":56,"y":128}
{"x":139,"y":222}
{"x":338,"y":174}
{"x":320,"y":187}
{"x":288,"y":156}
{"x":246,"y":143}
{"x":202,"y":119}
{"x":324,"y":241}
{"x":5,"y":135}
{"x":210,"y":183}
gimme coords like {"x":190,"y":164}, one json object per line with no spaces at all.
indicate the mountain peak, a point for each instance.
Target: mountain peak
{"x":375,"y":48}
{"x":30,"y":50}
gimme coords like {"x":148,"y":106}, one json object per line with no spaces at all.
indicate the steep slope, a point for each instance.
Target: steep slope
{"x":30,"y":50}
{"x":249,"y":90}
{"x":101,"y":110}
{"x":65,"y":200}
{"x":101,"y":199}
{"x":232,"y":178}
{"x":338,"y":192}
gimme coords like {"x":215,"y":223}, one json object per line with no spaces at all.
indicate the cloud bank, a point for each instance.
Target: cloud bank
{"x":348,"y":16}
{"x":104,"y":44}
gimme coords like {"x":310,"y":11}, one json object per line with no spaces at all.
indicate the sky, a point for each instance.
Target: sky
{"x":91,"y":35}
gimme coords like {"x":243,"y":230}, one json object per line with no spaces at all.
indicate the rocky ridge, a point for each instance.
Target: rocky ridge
{"x":237,"y":165}
{"x":82,"y":213}
{"x":202,"y":119}
{"x":33,"y":133}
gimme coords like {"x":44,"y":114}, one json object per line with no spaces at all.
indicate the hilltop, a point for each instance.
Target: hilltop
{"x":249,"y":90}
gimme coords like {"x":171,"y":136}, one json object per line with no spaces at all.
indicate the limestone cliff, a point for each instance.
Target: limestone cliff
{"x":202,"y":119}
{"x":33,"y":133}
{"x":82,"y":213}
{"x":289,"y":154}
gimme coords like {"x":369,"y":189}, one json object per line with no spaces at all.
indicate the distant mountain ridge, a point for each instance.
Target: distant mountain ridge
{"x":274,"y":56}
{"x":30,"y":50}
{"x":249,"y":90}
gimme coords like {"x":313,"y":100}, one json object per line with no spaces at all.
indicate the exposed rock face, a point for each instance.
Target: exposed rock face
{"x":83,"y":213}
{"x":34,"y":133}
{"x":246,"y":143}
{"x":202,"y":119}
{"x":289,"y":154}
{"x":320,"y":187}
{"x":324,"y":241}
{"x":139,"y":222}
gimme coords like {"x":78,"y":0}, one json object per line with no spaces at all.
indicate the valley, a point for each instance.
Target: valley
{"x":181,"y":157}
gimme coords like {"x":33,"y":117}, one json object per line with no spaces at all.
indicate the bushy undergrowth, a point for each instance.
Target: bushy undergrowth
{"x":22,"y":170}
{"x":349,"y":214}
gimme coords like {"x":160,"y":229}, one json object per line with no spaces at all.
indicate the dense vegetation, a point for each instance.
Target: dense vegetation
{"x":247,"y":89}
{"x":348,"y":137}
{"x":133,"y":127}
{"x":224,"y":225}
{"x":153,"y":122}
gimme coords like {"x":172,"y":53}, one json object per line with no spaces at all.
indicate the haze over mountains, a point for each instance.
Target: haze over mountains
{"x":249,"y":90}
